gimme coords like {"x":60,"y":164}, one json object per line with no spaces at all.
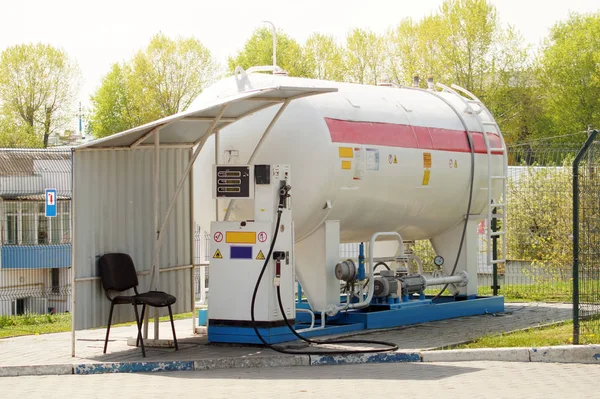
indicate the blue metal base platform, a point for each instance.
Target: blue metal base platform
{"x":275,"y":335}
{"x":414,"y":311}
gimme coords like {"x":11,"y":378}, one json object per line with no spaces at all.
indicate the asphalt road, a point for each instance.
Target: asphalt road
{"x":399,"y":380}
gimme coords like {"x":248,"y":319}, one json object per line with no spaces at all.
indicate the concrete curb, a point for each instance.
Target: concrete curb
{"x":48,"y":369}
{"x":465,"y":355}
{"x":589,"y":354}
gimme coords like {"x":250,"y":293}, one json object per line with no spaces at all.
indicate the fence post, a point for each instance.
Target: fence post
{"x":494,"y":228}
{"x":576,"y":162}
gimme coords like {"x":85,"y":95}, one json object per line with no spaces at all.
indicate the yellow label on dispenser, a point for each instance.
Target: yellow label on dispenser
{"x":346,"y":164}
{"x":240,"y":237}
{"x":346,"y":152}
{"x":426,"y":174}
{"x":260,"y":255}
{"x":217,"y":255}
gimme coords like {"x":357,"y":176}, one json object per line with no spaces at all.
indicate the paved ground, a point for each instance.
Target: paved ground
{"x":56,"y":348}
{"x":406,"y":380}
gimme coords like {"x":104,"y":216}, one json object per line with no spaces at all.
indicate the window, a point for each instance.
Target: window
{"x":10,"y":223}
{"x":55,"y":281}
{"x":25,"y":223}
{"x":42,"y":227}
{"x":29,"y":217}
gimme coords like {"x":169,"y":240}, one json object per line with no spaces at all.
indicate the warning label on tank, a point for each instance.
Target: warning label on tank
{"x":427,"y":160}
{"x":372,"y":159}
{"x":426,"y":174}
{"x":217,"y":255}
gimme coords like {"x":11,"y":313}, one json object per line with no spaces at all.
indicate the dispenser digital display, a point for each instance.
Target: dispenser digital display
{"x":233,"y":181}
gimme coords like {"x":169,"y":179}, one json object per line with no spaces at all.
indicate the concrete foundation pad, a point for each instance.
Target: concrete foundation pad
{"x":153,"y":343}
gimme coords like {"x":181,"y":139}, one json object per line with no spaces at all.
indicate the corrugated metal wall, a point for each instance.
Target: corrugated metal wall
{"x":113,"y":211}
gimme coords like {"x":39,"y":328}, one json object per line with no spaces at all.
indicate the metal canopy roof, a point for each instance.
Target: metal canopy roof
{"x":189,"y":127}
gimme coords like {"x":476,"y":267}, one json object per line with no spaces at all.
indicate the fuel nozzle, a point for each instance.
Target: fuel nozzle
{"x":284,"y":193}
{"x":278,"y":256}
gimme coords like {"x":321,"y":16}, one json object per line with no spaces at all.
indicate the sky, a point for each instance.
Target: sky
{"x":99,"y":33}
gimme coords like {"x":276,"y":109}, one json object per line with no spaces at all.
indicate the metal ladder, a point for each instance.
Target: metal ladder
{"x":492,"y":208}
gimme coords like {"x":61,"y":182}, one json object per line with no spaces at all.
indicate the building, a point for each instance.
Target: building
{"x":35,"y":250}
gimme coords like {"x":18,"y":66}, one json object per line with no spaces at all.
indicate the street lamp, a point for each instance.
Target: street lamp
{"x":274,"y":44}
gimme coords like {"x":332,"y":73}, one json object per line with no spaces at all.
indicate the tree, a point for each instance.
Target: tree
{"x":38,"y":83}
{"x":469,"y":29}
{"x":324,"y":58}
{"x":15,"y":133}
{"x":570,"y":73}
{"x":364,"y":57}
{"x":114,"y":107}
{"x":258,"y":51}
{"x":160,"y":80}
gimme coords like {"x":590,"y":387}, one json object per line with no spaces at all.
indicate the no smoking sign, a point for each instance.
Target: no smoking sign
{"x":262,"y":236}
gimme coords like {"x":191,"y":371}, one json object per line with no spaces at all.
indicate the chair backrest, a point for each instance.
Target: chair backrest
{"x":117,"y":272}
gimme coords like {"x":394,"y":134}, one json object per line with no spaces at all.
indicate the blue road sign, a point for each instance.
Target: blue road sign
{"x":50,"y":202}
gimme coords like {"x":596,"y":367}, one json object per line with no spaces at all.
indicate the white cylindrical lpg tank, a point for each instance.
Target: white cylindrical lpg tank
{"x":374,"y":158}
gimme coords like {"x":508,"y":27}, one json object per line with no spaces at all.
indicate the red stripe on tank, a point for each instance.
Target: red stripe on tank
{"x":407,"y":136}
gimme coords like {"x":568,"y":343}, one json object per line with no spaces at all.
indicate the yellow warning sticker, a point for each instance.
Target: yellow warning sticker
{"x":427,"y":160}
{"x":260,"y":255}
{"x":346,"y":152}
{"x":346,"y":164}
{"x":217,"y":255}
{"x":426,"y":174}
{"x":455,"y":164}
{"x":395,"y":159}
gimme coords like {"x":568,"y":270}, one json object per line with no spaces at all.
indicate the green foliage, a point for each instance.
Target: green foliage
{"x":37,"y":87}
{"x":569,"y":73}
{"x":14,"y":133}
{"x":364,"y":57}
{"x":258,"y":51}
{"x":539,"y":220}
{"x":324,"y":58}
{"x":159,"y":81}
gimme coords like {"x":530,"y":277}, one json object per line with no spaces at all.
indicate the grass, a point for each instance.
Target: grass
{"x":561,"y":334}
{"x":556,"y":291}
{"x":35,"y":324}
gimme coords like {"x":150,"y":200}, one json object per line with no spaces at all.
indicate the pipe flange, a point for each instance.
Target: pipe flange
{"x":465,"y":279}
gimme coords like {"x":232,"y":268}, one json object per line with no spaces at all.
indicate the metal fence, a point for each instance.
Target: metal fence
{"x":35,"y":231}
{"x":586,"y":242}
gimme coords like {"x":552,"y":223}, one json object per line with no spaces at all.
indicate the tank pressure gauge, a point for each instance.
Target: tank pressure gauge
{"x":438,"y":260}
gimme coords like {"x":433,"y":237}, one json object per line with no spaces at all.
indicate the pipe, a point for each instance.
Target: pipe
{"x":312,"y":315}
{"x":460,"y":279}
{"x":321,"y":327}
{"x":418,"y":261}
{"x":367,"y":301}
{"x":274,"y":31}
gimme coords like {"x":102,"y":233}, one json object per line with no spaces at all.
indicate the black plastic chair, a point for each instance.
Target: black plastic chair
{"x":118,"y":274}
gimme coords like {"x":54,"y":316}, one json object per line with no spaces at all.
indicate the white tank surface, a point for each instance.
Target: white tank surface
{"x":375,"y":158}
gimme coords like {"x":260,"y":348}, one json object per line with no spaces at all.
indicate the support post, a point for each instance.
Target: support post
{"x":578,"y":158}
{"x":255,"y":152}
{"x":494,"y":227}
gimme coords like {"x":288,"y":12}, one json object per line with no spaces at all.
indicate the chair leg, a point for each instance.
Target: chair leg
{"x":173,"y":327}
{"x":139,"y":326}
{"x":137,"y":341}
{"x":112,"y":305}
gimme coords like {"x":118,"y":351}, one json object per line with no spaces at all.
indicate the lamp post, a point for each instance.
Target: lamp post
{"x":274,"y":43}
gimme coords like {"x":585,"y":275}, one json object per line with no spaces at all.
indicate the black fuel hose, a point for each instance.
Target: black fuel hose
{"x":390,"y":346}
